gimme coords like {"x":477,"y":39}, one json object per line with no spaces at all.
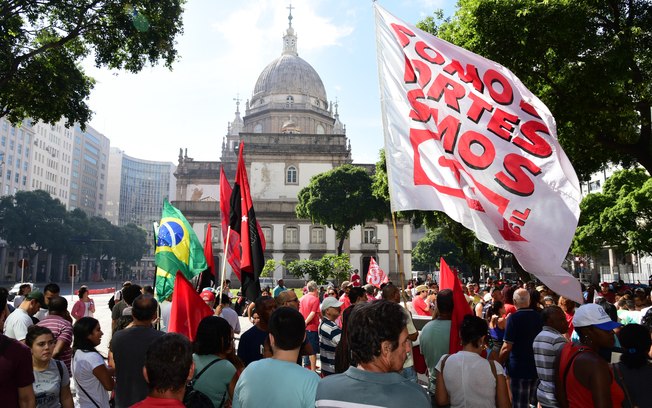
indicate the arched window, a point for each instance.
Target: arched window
{"x":320,"y":129}
{"x":258,"y":128}
{"x":267,"y":233}
{"x":291,"y":175}
{"x":289,"y":101}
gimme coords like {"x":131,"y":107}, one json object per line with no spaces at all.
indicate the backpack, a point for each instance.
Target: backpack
{"x":196,"y":399}
{"x":111,"y":303}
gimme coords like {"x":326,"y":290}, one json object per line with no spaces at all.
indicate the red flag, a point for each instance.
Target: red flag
{"x":243,"y":220}
{"x":233,"y":252}
{"x":187,"y":308}
{"x":448,"y":280}
{"x":375,"y":275}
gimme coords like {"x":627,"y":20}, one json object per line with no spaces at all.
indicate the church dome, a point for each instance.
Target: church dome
{"x":290,"y":74}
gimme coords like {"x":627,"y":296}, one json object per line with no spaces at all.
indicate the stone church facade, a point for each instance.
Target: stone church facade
{"x":291,"y":132}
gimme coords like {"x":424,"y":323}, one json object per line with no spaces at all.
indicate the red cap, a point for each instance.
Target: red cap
{"x":207,"y":295}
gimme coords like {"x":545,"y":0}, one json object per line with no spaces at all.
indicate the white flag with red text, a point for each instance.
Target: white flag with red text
{"x":464,"y":136}
{"x":375,"y":275}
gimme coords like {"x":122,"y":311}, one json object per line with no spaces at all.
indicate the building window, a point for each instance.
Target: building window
{"x":291,"y":175}
{"x":289,"y":101}
{"x":291,"y":235}
{"x":258,"y":128}
{"x":267,"y":233}
{"x":317,"y":235}
{"x":368,"y":235}
{"x":320,"y":129}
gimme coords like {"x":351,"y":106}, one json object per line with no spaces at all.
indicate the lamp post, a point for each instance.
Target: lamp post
{"x":376,"y":242}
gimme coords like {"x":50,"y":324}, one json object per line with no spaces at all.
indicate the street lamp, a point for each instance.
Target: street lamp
{"x":376,"y":242}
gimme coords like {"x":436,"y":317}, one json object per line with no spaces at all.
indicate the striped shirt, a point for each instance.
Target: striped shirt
{"x":546,"y":346}
{"x":62,"y":330}
{"x":329,"y":336}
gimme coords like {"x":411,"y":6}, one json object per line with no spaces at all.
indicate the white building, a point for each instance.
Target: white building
{"x":291,"y":133}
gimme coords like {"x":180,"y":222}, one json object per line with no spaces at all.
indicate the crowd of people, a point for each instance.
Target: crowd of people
{"x":519,"y":345}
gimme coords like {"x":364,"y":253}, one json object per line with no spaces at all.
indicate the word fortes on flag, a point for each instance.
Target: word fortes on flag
{"x":177,"y":249}
{"x":243,"y":221}
{"x":375,"y":275}
{"x":464,"y":136}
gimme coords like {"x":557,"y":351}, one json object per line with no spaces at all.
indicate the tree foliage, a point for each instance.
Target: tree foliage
{"x":330,"y":267}
{"x":620,"y":216}
{"x":340,"y":199}
{"x":428,"y":251}
{"x":36,"y":222}
{"x":43,"y":42}
{"x":588,"y":61}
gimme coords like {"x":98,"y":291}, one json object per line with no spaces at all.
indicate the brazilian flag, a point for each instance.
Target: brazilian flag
{"x":177,"y":249}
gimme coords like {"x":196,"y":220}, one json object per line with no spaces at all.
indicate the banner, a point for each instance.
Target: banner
{"x":448,"y":280}
{"x":464,"y":136}
{"x":177,"y":249}
{"x":233,"y":252}
{"x":375,"y":275}
{"x":187,"y":310}
{"x":243,"y":221}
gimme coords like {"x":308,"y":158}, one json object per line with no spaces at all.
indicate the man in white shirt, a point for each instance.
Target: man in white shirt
{"x":224,"y":310}
{"x":20,"y":319}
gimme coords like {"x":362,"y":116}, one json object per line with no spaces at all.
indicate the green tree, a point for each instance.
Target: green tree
{"x":43,"y":42}
{"x":32,"y":221}
{"x":620,"y":216}
{"x":340,"y":199}
{"x":429,"y":249}
{"x":329,"y":267}
{"x":588,"y":61}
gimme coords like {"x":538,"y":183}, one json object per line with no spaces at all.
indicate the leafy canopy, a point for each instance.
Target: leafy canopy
{"x":340,"y":199}
{"x":43,"y":42}
{"x":588,"y":61}
{"x":620,"y":216}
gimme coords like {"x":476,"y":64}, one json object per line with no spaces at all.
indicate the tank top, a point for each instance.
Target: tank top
{"x":579,"y":396}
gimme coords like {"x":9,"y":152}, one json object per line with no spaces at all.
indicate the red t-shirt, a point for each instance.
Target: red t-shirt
{"x":151,"y":402}
{"x":310,"y":303}
{"x":347,"y":302}
{"x":420,"y":306}
{"x":15,"y":370}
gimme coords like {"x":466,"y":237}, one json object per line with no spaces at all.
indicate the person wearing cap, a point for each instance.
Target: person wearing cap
{"x":329,"y":334}
{"x":584,"y":379}
{"x":208,"y":297}
{"x":20,"y":319}
{"x":420,"y":302}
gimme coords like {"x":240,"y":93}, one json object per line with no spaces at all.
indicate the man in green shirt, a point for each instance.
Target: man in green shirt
{"x":435,"y":336}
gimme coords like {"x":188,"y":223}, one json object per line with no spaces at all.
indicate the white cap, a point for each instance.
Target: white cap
{"x":330,"y":302}
{"x":591,"y":314}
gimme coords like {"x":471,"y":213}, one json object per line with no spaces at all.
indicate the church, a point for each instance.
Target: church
{"x":291,"y":132}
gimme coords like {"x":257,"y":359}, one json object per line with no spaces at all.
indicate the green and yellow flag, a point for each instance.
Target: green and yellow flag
{"x":177,"y":249}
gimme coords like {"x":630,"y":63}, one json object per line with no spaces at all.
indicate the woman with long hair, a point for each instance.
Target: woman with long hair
{"x":497,"y":321}
{"x":93,"y":378}
{"x":584,"y":378}
{"x":51,"y":379}
{"x":466,"y":379}
{"x":214,"y":359}
{"x":85,"y":306}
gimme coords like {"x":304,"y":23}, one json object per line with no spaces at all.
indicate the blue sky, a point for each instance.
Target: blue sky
{"x":225,"y":46}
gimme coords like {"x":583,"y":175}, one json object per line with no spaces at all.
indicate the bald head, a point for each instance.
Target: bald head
{"x":521,"y":298}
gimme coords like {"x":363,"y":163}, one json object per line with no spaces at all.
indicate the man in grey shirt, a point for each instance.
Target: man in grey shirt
{"x":379,"y":345}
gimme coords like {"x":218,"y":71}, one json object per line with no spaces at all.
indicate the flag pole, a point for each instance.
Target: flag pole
{"x":398,"y":258}
{"x":223,"y":271}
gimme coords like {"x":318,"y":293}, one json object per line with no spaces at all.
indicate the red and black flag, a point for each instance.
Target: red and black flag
{"x":243,"y":221}
{"x":233,"y":251}
{"x":207,"y":277}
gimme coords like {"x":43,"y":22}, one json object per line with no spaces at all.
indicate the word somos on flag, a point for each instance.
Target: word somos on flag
{"x":463,"y":135}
